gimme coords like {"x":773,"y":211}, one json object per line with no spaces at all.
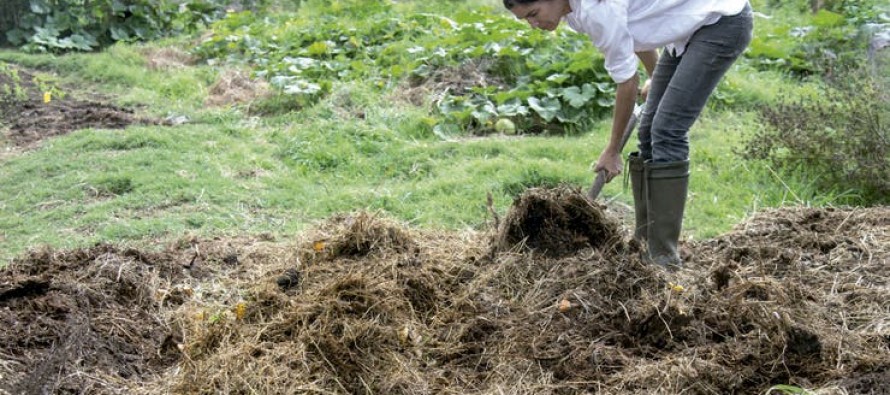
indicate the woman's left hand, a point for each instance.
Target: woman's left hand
{"x":644,"y":92}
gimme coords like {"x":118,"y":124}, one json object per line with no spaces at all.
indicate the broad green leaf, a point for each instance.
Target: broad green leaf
{"x":118,"y":7}
{"x":578,"y":97}
{"x":605,"y":87}
{"x":604,"y":102}
{"x":16,"y":36}
{"x":546,"y":107}
{"x":40,"y":7}
{"x":455,"y":107}
{"x":558,"y":78}
{"x":584,"y":60}
{"x":318,"y":48}
{"x":825,"y":18}
{"x":571,"y":114}
{"x":483,"y":109}
{"x":119,"y":33}
{"x":512,"y":107}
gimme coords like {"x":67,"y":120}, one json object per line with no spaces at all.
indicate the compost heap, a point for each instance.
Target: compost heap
{"x":362,"y":304}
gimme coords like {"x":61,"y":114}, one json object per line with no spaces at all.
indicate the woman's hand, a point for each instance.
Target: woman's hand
{"x":610,"y":158}
{"x":644,"y":92}
{"x":610,"y":161}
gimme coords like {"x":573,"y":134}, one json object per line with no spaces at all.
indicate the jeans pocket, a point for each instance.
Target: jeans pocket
{"x":745,"y":33}
{"x":731,"y":33}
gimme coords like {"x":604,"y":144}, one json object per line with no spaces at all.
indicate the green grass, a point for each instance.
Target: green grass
{"x":360,"y":148}
{"x":122,"y":70}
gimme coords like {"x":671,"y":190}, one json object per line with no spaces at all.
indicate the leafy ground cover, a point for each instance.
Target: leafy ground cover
{"x":536,"y":80}
{"x":61,"y":26}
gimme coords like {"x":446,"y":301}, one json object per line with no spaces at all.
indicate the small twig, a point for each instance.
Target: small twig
{"x":490,"y":203}
{"x":784,"y":184}
{"x":626,"y":313}
{"x":844,"y":222}
{"x":666,"y":325}
{"x":331,"y":365}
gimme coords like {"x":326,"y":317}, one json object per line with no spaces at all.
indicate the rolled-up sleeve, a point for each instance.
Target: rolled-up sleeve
{"x":607,"y":29}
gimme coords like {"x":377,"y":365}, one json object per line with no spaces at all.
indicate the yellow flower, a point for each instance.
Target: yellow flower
{"x":47,"y":97}
{"x":676,"y":287}
{"x":240,"y":310}
{"x":318,"y":246}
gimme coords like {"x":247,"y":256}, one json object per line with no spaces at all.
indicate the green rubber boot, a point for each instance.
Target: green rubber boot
{"x":666,"y":187}
{"x":637,"y":186}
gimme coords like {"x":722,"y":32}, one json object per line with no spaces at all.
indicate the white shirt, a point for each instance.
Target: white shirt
{"x":620,"y":28}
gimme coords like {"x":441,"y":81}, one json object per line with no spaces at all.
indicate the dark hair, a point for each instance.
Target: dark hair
{"x":510,"y":3}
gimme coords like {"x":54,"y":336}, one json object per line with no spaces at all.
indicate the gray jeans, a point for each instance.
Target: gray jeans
{"x":682,"y":84}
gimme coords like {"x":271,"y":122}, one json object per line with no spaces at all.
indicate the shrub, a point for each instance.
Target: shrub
{"x":840,"y":140}
{"x":81,"y":25}
{"x":12,"y":10}
{"x":834,"y":36}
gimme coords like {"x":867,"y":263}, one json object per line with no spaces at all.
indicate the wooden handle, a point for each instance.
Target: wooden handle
{"x":600,"y":179}
{"x":597,"y":186}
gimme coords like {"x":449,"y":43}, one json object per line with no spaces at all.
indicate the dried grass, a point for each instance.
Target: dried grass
{"x":458,"y":80}
{"x":363,"y":304}
{"x":236,"y":87}
{"x":167,"y":58}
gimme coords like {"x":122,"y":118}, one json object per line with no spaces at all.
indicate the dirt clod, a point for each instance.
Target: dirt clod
{"x":557,"y":222}
{"x":288,"y":280}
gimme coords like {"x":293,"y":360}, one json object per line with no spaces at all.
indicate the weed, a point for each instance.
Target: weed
{"x":11,"y":89}
{"x":839,"y":139}
{"x":112,"y":186}
{"x":830,"y":37}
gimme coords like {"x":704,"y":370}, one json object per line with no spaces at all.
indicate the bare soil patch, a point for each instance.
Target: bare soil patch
{"x":363,"y":304}
{"x":29,"y":119}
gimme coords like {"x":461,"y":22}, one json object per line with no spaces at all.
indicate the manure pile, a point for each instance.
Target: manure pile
{"x":362,"y":304}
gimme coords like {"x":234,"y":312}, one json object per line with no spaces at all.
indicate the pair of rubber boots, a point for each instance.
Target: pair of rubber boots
{"x":659,"y":191}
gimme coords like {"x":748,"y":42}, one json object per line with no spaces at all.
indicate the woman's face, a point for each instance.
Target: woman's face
{"x":542,"y":14}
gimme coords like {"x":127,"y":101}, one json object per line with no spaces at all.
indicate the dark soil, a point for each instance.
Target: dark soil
{"x":557,"y":222}
{"x":84,"y":321}
{"x":362,"y":304}
{"x":99,"y":320}
{"x":30,"y":120}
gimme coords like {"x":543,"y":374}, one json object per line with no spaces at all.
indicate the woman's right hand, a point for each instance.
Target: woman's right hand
{"x":609,"y":161}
